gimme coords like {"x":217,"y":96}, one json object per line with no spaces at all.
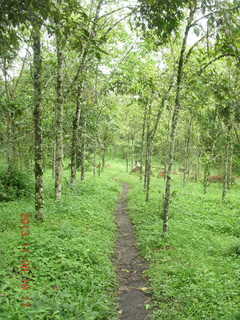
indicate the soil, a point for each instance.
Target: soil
{"x":133,"y":292}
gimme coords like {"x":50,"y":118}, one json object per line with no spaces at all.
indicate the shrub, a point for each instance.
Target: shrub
{"x":14,"y":184}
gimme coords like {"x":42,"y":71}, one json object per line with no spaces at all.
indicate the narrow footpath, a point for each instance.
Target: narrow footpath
{"x":133,"y":296}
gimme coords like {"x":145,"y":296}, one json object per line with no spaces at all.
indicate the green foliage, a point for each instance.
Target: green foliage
{"x":15,"y":184}
{"x":162,"y":16}
{"x":71,"y":268}
{"x":194,"y":272}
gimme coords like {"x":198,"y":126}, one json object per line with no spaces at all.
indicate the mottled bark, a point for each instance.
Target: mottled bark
{"x":53,"y":159}
{"x":174,"y":122}
{"x":142,"y":142}
{"x":75,"y":137}
{"x":37,"y":66}
{"x":147,"y":143}
{"x":82,"y":142}
{"x":59,"y":115}
{"x":147,"y":174}
{"x":80,"y":155}
{"x":149,"y":169}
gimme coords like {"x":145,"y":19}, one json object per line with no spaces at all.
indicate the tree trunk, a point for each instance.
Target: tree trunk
{"x":99,"y":169}
{"x":103,"y":157}
{"x":186,"y":154}
{"x":75,"y":138}
{"x":37,"y":65}
{"x":147,"y":149}
{"x":132,"y":152}
{"x":59,"y":117}
{"x":230,"y":167}
{"x":94,"y":160}
{"x":142,"y":142}
{"x":53,"y":159}
{"x":80,"y":158}
{"x":82,"y":167}
{"x":205,"y":176}
{"x":174,"y":122}
{"x":149,"y":169}
{"x":226,"y":181}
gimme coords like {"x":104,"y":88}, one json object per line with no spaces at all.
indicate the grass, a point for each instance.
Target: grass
{"x":71,"y":268}
{"x":195,"y":272}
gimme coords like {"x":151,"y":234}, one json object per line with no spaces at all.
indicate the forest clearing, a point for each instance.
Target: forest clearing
{"x":120,"y":159}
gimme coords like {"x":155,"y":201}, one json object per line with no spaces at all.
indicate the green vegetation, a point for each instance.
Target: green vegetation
{"x":71,"y":270}
{"x":194,"y":273}
{"x":15,"y":184}
{"x":153,"y":85}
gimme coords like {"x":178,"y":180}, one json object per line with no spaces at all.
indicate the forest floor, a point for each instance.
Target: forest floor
{"x":193,"y":274}
{"x":133,"y":296}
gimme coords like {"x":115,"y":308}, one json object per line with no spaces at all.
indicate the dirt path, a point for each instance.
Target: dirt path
{"x":130,"y":266}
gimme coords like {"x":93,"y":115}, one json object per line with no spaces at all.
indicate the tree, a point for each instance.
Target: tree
{"x":37,"y":64}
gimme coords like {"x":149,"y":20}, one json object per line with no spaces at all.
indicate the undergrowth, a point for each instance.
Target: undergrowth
{"x":71,"y":271}
{"x":194,"y":272}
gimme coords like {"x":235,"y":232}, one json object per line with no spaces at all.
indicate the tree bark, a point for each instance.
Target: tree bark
{"x":53,"y":159}
{"x":148,"y":119}
{"x":226,"y":181}
{"x":142,"y":142}
{"x":94,"y":160}
{"x":205,"y":176}
{"x":147,"y":174}
{"x":149,"y":169}
{"x":103,"y":157}
{"x":80,"y":157}
{"x":59,"y":116}
{"x":37,"y":65}
{"x":186,"y":154}
{"x":75,"y":127}
{"x":174,"y":122}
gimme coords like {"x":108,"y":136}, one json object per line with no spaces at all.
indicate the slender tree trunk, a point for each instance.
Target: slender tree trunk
{"x":174,"y":122}
{"x":75,"y":138}
{"x":142,"y":142}
{"x":94,"y":160}
{"x":37,"y":65}
{"x":82,"y":150}
{"x":80,"y":162}
{"x":59,"y":117}
{"x":99,"y":169}
{"x":103,"y":157}
{"x":226,"y":181}
{"x":149,"y":169}
{"x":186,"y":160}
{"x":197,"y":173}
{"x":230,"y":167}
{"x":205,"y":176}
{"x":147,"y":148}
{"x":132,"y":152}
{"x":53,"y":159}
{"x":127,"y":154}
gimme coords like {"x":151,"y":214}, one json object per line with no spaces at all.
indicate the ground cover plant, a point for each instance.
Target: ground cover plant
{"x":194,"y":272}
{"x":70,"y":260}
